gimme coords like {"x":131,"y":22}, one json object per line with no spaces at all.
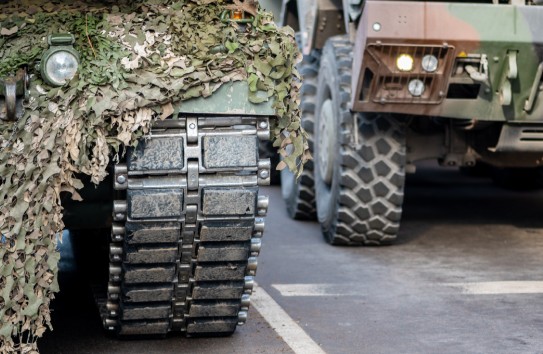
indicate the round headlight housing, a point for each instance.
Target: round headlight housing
{"x":60,"y":62}
{"x":429,"y":63}
{"x":416,"y":87}
{"x":60,"y":67}
{"x":404,"y":62}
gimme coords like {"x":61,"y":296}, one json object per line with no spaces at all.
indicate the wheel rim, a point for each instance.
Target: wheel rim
{"x":327,"y":141}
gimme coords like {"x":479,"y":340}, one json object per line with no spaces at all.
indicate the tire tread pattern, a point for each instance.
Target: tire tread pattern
{"x":301,"y":203}
{"x":372,"y":175}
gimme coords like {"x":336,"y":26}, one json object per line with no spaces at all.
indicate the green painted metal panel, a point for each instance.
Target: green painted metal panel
{"x":231,"y":98}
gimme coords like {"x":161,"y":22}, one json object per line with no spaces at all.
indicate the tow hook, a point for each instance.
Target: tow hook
{"x":13,"y":92}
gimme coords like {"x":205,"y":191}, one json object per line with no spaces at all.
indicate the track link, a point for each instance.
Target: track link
{"x":187,"y":227}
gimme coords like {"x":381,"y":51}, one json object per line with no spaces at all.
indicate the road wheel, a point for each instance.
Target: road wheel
{"x":359,"y":190}
{"x":299,"y":195}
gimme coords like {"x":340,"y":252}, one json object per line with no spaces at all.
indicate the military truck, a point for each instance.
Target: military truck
{"x":176,"y":219}
{"x":389,"y":83}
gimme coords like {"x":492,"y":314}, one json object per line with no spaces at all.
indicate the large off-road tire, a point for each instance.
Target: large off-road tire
{"x":299,"y":195}
{"x":359,"y":185}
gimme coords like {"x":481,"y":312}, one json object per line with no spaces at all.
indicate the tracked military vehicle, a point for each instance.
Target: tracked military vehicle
{"x":389,"y":83}
{"x":154,"y":111}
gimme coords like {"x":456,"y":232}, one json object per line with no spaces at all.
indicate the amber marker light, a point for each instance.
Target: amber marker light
{"x":237,"y":15}
{"x":404,"y":62}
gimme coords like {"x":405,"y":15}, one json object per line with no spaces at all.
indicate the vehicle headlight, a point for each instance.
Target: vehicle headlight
{"x":416,"y":87}
{"x":404,"y":62}
{"x":429,"y":63}
{"x":60,"y":67}
{"x":60,"y":62}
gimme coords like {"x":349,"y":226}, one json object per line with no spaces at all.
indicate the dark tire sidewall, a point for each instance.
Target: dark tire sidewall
{"x":299,"y":194}
{"x":328,"y":196}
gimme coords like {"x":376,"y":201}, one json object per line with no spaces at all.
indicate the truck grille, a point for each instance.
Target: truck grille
{"x":390,"y":85}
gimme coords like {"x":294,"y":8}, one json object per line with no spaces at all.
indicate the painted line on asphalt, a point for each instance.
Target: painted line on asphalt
{"x":313,"y":290}
{"x":500,"y":287}
{"x":295,"y":337}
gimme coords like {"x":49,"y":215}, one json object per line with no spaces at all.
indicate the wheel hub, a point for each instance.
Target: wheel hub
{"x":327,"y":141}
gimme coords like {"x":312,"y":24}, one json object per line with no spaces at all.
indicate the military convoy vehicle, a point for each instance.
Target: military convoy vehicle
{"x":178,"y":212}
{"x":389,"y":83}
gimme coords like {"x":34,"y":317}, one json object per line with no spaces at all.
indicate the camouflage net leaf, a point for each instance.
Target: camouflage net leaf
{"x":138,"y":60}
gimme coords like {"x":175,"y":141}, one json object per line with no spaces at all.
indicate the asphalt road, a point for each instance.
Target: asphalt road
{"x":464,"y":278}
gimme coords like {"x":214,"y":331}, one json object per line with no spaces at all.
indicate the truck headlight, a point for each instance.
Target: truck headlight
{"x":416,"y":87}
{"x":60,"y":62}
{"x":429,"y":63}
{"x":404,"y":62}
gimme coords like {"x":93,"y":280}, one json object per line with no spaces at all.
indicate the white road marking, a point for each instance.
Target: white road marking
{"x":314,"y":290}
{"x":500,"y":287}
{"x":283,"y":324}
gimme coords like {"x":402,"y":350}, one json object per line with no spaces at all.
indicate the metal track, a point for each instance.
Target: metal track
{"x":186,"y":232}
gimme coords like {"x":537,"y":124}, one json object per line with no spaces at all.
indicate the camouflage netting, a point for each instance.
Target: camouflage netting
{"x":137,"y":60}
